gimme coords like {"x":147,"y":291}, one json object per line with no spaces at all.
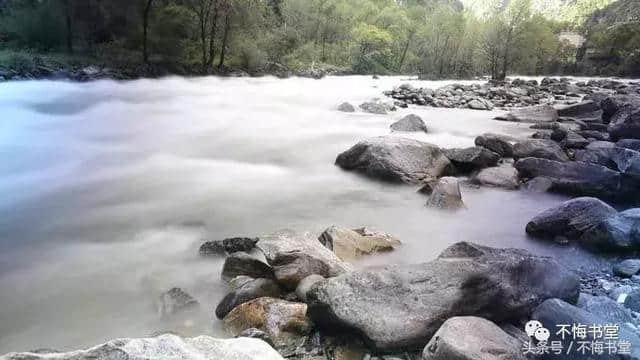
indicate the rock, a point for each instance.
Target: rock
{"x":294,"y":256}
{"x":612,"y":104}
{"x":402,"y":306}
{"x":241,"y":263}
{"x":164,"y":347}
{"x":632,"y":301}
{"x":600,"y":145}
{"x":539,"y":148}
{"x":627,"y":268}
{"x":306,"y":284}
{"x":174,"y":301}
{"x":446,"y":195}
{"x":571,"y":219}
{"x":625,"y":124}
{"x":283,"y":321}
{"x":555,"y":312}
{"x":580,"y":110}
{"x":350,"y":244}
{"x":605,"y":308}
{"x":499,"y":144}
{"x":231,"y":245}
{"x":631,"y":144}
{"x":409,"y":123}
{"x":256,"y":334}
{"x":618,"y":232}
{"x":472,"y":338}
{"x":505,"y":176}
{"x":373,"y":108}
{"x":396,"y":159}
{"x":473,"y":158}
{"x":625,"y":161}
{"x":578,"y":178}
{"x":346,"y":107}
{"x":574,"y":141}
{"x":539,"y":184}
{"x":532,"y":114}
{"x":477,"y":105}
{"x":253,"y":289}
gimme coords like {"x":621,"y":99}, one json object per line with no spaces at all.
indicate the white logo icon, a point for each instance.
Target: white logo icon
{"x":531,"y":327}
{"x":542,"y":334}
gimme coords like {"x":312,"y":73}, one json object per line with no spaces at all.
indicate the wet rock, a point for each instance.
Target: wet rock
{"x":499,"y":144}
{"x":402,"y":306}
{"x":346,"y":107}
{"x":625,"y":124}
{"x":446,"y":195}
{"x":174,"y":301}
{"x":256,"y":334}
{"x":605,"y":308}
{"x":532,"y":114}
{"x":600,"y":145}
{"x":631,"y":144}
{"x":283,"y":321}
{"x":305,"y":286}
{"x":472,"y":338}
{"x":231,"y":245}
{"x":505,"y":176}
{"x":294,"y":256}
{"x":250,"y":290}
{"x":396,"y":159}
{"x":574,"y":141}
{"x":627,"y":268}
{"x":618,"y":232}
{"x":578,"y":178}
{"x":350,"y":244}
{"x":580,"y":110}
{"x":612,"y":104}
{"x":473,"y":158}
{"x":539,"y":148}
{"x":632,"y":301}
{"x":479,"y":105}
{"x":409,"y":123}
{"x":241,"y":263}
{"x":554,"y":312}
{"x":212,"y":248}
{"x":539,"y":184}
{"x":373,"y":108}
{"x":571,"y":219}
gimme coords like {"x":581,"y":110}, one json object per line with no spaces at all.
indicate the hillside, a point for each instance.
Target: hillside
{"x":573,"y":11}
{"x":617,"y":13}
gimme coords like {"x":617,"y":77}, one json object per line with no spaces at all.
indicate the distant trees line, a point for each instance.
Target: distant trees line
{"x":432,"y":37}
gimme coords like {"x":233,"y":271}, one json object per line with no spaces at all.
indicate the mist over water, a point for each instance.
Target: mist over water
{"x":109,"y":188}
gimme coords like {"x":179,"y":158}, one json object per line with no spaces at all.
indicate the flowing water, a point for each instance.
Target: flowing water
{"x":109,"y":188}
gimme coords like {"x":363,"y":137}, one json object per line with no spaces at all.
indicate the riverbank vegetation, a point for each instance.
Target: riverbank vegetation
{"x":434,"y":38}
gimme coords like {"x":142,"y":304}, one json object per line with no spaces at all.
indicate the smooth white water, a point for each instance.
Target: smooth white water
{"x":109,"y":188}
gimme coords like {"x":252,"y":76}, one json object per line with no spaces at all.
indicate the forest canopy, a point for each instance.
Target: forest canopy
{"x":434,"y":38}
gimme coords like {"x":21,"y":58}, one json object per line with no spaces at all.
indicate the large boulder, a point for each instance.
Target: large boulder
{"x":578,"y":178}
{"x":164,"y":347}
{"x":504,"y":176}
{"x":350,"y":244}
{"x":532,"y":114}
{"x":295,"y":256}
{"x":373,"y":108}
{"x":230,"y":245}
{"x":284,"y":321}
{"x":241,"y":263}
{"x":472,"y":338}
{"x":346,"y":107}
{"x":631,"y":144}
{"x":499,"y":144}
{"x":571,"y":219}
{"x":402,"y":306}
{"x":625,"y":124}
{"x":586,"y":109}
{"x":627,"y":268}
{"x":612,"y":104}
{"x":473,"y":158}
{"x":252,"y":289}
{"x":409,"y":123}
{"x":554,"y":313}
{"x":539,"y":148}
{"x":396,"y":159}
{"x":606,"y":308}
{"x":617,"y":233}
{"x":446,"y":194}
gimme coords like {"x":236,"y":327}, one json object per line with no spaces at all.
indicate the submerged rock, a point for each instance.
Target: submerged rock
{"x":373,"y":108}
{"x":294,"y":256}
{"x":165,"y":347}
{"x":346,"y":107}
{"x":472,"y":338}
{"x":350,"y":244}
{"x":446,"y":194}
{"x":409,"y":123}
{"x":402,"y":306}
{"x":396,"y":159}
{"x":174,"y":301}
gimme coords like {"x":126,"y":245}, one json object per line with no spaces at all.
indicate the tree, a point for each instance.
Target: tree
{"x":145,"y":30}
{"x":516,"y":16}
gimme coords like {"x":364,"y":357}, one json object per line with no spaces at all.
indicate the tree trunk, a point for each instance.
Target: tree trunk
{"x":145,"y":31}
{"x":225,"y":38}
{"x":212,"y":33}
{"x":68,"y":17}
{"x":404,"y":52}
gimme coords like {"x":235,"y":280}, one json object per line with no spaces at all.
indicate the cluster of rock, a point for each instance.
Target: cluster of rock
{"x":516,"y":93}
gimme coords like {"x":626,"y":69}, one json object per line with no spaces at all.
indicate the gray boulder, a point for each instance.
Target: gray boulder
{"x":373,"y":108}
{"x":539,"y":148}
{"x":504,"y":176}
{"x":402,"y":306}
{"x":625,"y":124}
{"x":612,"y":104}
{"x":346,"y":107}
{"x":174,"y":301}
{"x":585,"y":109}
{"x":618,"y":232}
{"x":499,"y":144}
{"x":571,"y":219}
{"x":250,"y":290}
{"x":241,"y":263}
{"x":472,"y":338}
{"x":306,"y":284}
{"x":446,"y":195}
{"x":231,"y":245}
{"x":606,"y":308}
{"x":532,"y":114}
{"x":350,"y":244}
{"x":627,"y":268}
{"x":165,"y":347}
{"x":631,"y":144}
{"x":294,"y":256}
{"x":396,"y":159}
{"x":574,"y":141}
{"x":409,"y":123}
{"x":473,"y":158}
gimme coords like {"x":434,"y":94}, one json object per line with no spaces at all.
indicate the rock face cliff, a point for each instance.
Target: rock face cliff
{"x":617,"y":13}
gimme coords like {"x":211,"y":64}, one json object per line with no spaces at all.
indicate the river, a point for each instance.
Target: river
{"x":108,"y":189}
